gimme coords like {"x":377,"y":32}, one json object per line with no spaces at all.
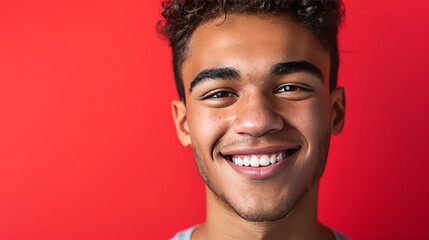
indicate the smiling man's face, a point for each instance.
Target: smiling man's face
{"x":259,"y":112}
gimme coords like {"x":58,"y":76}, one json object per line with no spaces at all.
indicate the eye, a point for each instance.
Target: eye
{"x":294,"y":91}
{"x":288,"y":88}
{"x":219,"y":95}
{"x":219,"y":98}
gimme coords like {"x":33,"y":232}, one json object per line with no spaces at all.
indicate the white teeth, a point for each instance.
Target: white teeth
{"x":258,"y":160}
{"x":273,"y":159}
{"x":280,"y":157}
{"x":264,"y":160}
{"x":246,"y":161}
{"x":254,"y":161}
{"x":239,"y":161}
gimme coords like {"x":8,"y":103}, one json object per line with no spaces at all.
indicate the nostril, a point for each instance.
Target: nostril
{"x":258,"y":123}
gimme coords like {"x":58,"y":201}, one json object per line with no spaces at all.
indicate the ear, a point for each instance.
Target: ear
{"x":178,"y":109}
{"x":338,"y":111}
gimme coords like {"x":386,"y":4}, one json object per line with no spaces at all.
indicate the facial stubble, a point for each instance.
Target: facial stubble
{"x":288,"y":202}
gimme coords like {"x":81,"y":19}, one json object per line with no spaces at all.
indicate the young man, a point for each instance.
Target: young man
{"x":258,"y":104}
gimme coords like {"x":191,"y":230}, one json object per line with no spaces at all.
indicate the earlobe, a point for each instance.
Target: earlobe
{"x":178,"y":109}
{"x":338,"y":105}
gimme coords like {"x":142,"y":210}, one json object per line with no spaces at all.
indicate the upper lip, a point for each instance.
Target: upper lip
{"x":257,"y":150}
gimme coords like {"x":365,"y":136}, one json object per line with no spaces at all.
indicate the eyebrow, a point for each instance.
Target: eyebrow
{"x":278,"y":69}
{"x":214,"y":73}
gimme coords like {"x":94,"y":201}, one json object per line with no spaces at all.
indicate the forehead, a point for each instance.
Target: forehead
{"x":251,"y":44}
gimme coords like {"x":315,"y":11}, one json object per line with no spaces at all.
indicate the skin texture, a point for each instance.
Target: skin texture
{"x":255,"y":113}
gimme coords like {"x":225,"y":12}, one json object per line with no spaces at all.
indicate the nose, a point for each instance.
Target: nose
{"x":257,"y":116}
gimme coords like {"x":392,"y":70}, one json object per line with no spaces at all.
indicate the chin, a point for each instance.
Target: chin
{"x":256,"y":209}
{"x":263,"y":214}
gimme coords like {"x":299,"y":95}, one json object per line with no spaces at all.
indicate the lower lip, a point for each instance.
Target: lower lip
{"x":261,"y":173}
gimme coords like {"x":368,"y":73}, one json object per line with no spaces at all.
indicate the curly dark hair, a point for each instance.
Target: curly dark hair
{"x":182,"y":17}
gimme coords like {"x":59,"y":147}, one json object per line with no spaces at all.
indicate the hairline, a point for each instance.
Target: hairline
{"x":186,"y":53}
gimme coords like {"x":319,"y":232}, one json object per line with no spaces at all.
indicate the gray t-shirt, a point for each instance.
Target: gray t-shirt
{"x":186,"y":234}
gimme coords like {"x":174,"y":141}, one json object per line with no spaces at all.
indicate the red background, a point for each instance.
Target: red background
{"x":88,"y":149}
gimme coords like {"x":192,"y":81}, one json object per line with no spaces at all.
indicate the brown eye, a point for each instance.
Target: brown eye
{"x":293,"y":91}
{"x":221,"y":94}
{"x":292,"y":88}
{"x":289,"y":88}
{"x":220,"y":98}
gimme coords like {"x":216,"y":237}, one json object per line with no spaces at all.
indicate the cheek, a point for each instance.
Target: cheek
{"x":312,"y":120}
{"x":206,"y":126}
{"x":319,"y":119}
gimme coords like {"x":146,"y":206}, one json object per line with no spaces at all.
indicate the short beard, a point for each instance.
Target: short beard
{"x":290,"y":204}
{"x":253,"y":216}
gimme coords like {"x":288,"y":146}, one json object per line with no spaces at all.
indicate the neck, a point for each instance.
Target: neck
{"x":301,"y":223}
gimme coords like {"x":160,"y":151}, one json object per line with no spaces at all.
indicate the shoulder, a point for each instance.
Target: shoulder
{"x":339,"y":235}
{"x":185,"y":234}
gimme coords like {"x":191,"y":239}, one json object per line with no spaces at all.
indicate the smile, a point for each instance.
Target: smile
{"x":259,"y":166}
{"x":261,"y":160}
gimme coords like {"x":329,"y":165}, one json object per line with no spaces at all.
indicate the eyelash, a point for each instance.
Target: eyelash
{"x":291,"y":88}
{"x":216,"y":95}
